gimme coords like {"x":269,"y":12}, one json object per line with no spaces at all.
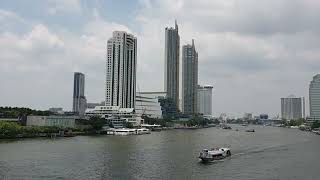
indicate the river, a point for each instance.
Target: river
{"x":269,"y":153}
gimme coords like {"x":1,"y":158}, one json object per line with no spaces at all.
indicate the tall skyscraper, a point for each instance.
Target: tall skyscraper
{"x":171,"y":74}
{"x":121,"y":70}
{"x":205,"y":100}
{"x":291,"y":108}
{"x":189,"y":79}
{"x":314,"y":97}
{"x":79,"y":99}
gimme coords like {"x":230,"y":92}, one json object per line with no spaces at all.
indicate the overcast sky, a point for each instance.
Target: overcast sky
{"x":253,"y":52}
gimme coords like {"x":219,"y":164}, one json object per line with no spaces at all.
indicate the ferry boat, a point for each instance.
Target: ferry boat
{"x":214,"y":154}
{"x":250,"y":130}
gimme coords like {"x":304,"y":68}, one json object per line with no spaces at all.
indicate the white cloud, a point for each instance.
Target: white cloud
{"x":43,"y":60}
{"x":64,"y":6}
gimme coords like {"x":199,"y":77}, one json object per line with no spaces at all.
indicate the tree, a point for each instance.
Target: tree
{"x":97,"y":122}
{"x":315,"y":124}
{"x":128,"y":124}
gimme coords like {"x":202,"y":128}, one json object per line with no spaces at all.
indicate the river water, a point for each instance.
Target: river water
{"x":269,"y":153}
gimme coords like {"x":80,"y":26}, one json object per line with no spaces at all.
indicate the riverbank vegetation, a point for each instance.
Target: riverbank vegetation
{"x":14,"y":130}
{"x":15,"y":112}
{"x":292,"y":122}
{"x":315,"y":125}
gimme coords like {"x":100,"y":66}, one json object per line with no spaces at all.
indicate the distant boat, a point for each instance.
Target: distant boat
{"x":250,"y":130}
{"x":225,"y":126}
{"x":127,"y":131}
{"x":214,"y":154}
{"x":244,"y":124}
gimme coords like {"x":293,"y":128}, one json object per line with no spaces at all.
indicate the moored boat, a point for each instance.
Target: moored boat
{"x":143,"y":131}
{"x":214,"y":154}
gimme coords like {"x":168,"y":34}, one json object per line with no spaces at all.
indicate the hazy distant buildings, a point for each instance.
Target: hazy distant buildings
{"x":121,"y":70}
{"x":247,"y":116}
{"x":93,"y":105}
{"x":171,"y":74}
{"x":291,"y":108}
{"x":79,"y":99}
{"x":57,"y":110}
{"x":314,"y":97}
{"x":263,"y":117}
{"x":189,"y":79}
{"x":204,"y":103}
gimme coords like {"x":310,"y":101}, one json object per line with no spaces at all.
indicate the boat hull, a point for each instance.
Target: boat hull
{"x":206,"y":157}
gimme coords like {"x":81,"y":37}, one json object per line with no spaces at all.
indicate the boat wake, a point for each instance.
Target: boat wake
{"x":262,"y":150}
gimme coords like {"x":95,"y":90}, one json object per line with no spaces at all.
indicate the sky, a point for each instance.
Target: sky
{"x":252,"y":52}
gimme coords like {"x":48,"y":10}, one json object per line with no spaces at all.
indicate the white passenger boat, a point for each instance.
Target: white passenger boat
{"x":121,"y":131}
{"x":214,"y":154}
{"x":127,"y":131}
{"x":143,"y":131}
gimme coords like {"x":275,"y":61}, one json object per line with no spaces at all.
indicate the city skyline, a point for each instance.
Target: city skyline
{"x":260,"y":58}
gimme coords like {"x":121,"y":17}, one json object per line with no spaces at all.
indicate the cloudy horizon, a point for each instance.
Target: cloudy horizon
{"x":253,"y":53}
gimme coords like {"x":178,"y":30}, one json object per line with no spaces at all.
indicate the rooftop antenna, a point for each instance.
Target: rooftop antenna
{"x":176,"y":25}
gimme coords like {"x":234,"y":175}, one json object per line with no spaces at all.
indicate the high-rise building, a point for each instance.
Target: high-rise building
{"x":205,"y":100}
{"x":79,"y":99}
{"x":189,"y":79}
{"x":171,"y":74}
{"x":291,"y":108}
{"x":314,"y":97}
{"x":121,"y":70}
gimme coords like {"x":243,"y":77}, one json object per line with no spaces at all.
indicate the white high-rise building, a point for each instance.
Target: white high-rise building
{"x":171,"y":70}
{"x":121,"y":70}
{"x":189,"y":79}
{"x":291,"y":108}
{"x":205,"y":100}
{"x":314,"y":97}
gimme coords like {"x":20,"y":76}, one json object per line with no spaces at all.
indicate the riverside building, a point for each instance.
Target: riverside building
{"x":79,"y":99}
{"x":116,"y":115}
{"x":171,"y":70}
{"x":205,"y":100}
{"x":58,"y":121}
{"x":291,"y":108}
{"x":121,"y":70}
{"x":189,"y":79}
{"x":314,"y":98}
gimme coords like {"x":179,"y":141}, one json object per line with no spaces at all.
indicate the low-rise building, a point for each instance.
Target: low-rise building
{"x":147,"y":104}
{"x":116,"y":115}
{"x":59,"y":121}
